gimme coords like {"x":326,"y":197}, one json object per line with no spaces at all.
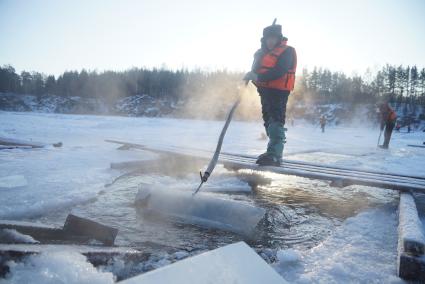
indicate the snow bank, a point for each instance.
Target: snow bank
{"x":202,"y":209}
{"x":56,"y":266}
{"x":362,"y":250}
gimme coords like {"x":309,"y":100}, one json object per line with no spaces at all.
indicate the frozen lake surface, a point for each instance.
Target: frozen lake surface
{"x":320,"y":233}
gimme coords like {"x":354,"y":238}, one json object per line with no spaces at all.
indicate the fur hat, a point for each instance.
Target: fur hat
{"x":273,"y":30}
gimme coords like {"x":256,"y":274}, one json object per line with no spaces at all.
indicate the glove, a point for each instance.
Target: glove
{"x":382,"y":126}
{"x":250,"y":76}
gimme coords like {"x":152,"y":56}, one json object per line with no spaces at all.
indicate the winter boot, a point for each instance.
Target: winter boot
{"x":268,"y":160}
{"x":276,"y":139}
{"x":261,"y":157}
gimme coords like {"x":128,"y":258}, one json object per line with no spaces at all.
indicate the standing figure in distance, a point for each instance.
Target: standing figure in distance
{"x":388,"y":120}
{"x":323,"y":123}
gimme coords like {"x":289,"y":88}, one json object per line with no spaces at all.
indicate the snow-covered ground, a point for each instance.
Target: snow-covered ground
{"x":40,"y":182}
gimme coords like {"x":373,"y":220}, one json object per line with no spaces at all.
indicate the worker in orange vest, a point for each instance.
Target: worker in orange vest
{"x":273,"y":73}
{"x":388,"y":120}
{"x":323,"y":123}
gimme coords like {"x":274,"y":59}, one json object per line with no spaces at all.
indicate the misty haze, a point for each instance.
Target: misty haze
{"x":212,"y":142}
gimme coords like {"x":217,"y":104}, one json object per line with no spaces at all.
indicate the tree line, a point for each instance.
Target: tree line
{"x":397,"y":84}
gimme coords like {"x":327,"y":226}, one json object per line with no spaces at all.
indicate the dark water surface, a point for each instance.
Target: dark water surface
{"x":300,"y":212}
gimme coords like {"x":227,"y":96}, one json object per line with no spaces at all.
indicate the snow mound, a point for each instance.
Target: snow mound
{"x":56,"y":267}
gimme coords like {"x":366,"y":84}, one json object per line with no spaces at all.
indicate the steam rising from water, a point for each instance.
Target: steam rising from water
{"x":214,"y":99}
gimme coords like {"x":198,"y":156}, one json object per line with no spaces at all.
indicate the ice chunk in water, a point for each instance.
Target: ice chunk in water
{"x":203,"y":209}
{"x":288,"y":256}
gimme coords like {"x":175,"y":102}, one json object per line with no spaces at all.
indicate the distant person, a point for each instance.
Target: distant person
{"x":388,"y":120}
{"x":323,"y":123}
{"x":273,"y":73}
{"x":409,"y":122}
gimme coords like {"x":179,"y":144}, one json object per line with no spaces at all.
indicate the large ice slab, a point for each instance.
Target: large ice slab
{"x":235,"y":263}
{"x":202,"y":209}
{"x":410,"y":227}
{"x":411,"y":242}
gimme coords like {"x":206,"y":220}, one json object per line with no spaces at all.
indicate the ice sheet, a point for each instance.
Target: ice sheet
{"x":235,"y":263}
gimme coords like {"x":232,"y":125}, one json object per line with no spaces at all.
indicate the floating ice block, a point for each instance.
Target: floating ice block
{"x":204,"y":209}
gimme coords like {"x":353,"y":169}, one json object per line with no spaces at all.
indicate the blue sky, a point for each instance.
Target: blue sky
{"x":54,"y":36}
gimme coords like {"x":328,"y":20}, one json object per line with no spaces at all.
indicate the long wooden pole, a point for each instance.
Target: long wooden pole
{"x":214,"y":160}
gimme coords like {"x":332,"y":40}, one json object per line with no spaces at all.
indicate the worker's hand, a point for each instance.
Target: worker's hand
{"x":382,"y":126}
{"x":250,"y":76}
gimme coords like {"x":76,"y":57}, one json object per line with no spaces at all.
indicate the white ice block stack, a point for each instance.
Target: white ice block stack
{"x":411,"y":242}
{"x":235,"y":263}
{"x":203,"y":209}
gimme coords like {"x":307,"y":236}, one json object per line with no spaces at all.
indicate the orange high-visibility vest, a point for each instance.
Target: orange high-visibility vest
{"x":392,"y":116}
{"x":269,"y":61}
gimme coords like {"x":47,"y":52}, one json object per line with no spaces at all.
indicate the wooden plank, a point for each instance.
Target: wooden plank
{"x":342,"y":176}
{"x":76,"y":231}
{"x":16,"y":142}
{"x":351,"y":174}
{"x":75,"y":225}
{"x":313,"y":165}
{"x":411,"y":267}
{"x":348,"y":178}
{"x":417,"y":146}
{"x":286,"y":162}
{"x":40,"y":232}
{"x":9,"y":143}
{"x":330,"y":177}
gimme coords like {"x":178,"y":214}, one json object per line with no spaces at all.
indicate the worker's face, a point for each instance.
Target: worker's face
{"x":271,"y":42}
